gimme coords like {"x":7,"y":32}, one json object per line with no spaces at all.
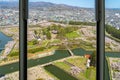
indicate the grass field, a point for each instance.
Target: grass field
{"x":62,"y":65}
{"x":78,"y":61}
{"x":87,"y":74}
{"x":72,"y":35}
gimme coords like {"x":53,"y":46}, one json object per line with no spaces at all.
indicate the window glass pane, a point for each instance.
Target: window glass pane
{"x":62,"y":40}
{"x":112,"y":39}
{"x":9,"y":39}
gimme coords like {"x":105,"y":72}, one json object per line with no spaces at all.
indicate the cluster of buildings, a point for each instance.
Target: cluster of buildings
{"x":115,"y":70}
{"x":113,"y":17}
{"x":9,"y":17}
{"x":11,"y":76}
{"x":47,"y":14}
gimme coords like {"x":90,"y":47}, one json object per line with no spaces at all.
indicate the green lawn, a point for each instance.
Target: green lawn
{"x":14,"y":52}
{"x":88,"y":74}
{"x":72,"y":35}
{"x":45,"y":43}
{"x":78,"y":61}
{"x":62,"y":65}
{"x":55,"y":41}
{"x":91,"y":73}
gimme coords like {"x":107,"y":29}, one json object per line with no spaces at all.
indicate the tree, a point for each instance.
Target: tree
{"x":61,"y":33}
{"x":113,"y":31}
{"x":93,"y":59}
{"x":48,"y":35}
{"x":34,"y":42}
{"x":35,"y":32}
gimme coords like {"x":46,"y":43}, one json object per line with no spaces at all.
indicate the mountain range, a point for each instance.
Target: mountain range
{"x":5,"y":4}
{"x":14,"y":4}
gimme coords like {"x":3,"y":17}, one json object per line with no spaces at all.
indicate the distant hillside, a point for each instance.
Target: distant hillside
{"x":35,"y":5}
{"x":4,"y":4}
{"x":43,"y":5}
{"x":40,"y":4}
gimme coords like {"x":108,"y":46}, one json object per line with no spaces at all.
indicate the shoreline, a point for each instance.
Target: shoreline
{"x":1,"y":32}
{"x":5,"y":51}
{"x":5,"y":34}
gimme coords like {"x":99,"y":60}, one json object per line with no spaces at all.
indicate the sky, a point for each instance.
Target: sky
{"x":112,"y":3}
{"x":80,"y":3}
{"x":84,"y":3}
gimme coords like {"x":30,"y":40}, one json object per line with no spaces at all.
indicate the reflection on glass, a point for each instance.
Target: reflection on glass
{"x":9,"y":40}
{"x":61,"y":40}
{"x":112,"y":40}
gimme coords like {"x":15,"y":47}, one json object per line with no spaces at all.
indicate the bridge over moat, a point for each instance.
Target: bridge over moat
{"x":71,"y":53}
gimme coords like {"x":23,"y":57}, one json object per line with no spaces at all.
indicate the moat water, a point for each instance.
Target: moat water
{"x":3,"y":40}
